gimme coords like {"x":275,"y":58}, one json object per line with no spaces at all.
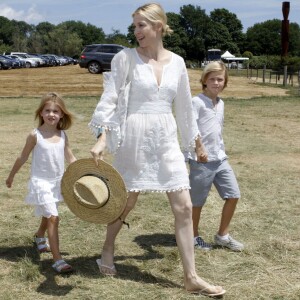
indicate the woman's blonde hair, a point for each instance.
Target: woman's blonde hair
{"x":214,"y":66}
{"x":67,"y":119}
{"x":154,"y":13}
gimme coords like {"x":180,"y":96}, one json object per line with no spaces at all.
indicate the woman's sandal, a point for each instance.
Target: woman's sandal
{"x":42,"y":244}
{"x":60,"y":266}
{"x":205,"y":292}
{"x":103,"y":269}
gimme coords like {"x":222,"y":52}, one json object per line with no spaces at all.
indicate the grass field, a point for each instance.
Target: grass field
{"x":262,"y":140}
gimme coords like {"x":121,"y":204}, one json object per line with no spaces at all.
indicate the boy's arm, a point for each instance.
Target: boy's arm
{"x":20,"y":161}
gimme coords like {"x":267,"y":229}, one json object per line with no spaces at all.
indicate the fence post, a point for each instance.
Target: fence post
{"x":264,"y":74}
{"x":284,"y":75}
{"x":299,"y":82}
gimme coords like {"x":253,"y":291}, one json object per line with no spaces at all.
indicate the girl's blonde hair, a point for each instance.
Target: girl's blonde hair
{"x":214,"y":66}
{"x":154,"y":13}
{"x":66,"y":121}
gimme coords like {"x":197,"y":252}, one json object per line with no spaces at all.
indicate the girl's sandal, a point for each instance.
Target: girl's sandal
{"x":60,"y":266}
{"x":42,"y":244}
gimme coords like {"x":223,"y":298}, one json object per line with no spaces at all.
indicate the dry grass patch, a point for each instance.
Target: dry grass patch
{"x":262,"y":141}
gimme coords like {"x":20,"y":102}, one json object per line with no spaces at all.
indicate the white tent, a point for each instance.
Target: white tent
{"x":232,"y":61}
{"x":227,"y":54}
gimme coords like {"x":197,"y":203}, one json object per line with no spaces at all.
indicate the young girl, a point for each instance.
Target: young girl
{"x":213,"y":167}
{"x":49,"y":146}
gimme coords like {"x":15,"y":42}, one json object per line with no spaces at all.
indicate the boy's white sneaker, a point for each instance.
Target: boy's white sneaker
{"x":230,"y":243}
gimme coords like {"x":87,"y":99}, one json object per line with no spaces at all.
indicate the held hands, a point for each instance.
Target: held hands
{"x":200,"y":150}
{"x":202,"y":155}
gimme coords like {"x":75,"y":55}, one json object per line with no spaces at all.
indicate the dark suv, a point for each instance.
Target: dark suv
{"x":97,"y":57}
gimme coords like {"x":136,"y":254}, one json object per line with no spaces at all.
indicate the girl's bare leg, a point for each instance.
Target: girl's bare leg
{"x":107,"y":256}
{"x":43,"y":227}
{"x":182,"y":209}
{"x":52,"y":228}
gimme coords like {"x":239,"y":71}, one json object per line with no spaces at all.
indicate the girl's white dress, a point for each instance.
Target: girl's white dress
{"x":47,"y":168}
{"x":148,"y":154}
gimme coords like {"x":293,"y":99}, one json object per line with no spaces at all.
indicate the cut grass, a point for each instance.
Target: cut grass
{"x":262,"y":141}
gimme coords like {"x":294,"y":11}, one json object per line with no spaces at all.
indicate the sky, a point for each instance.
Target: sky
{"x":113,"y":15}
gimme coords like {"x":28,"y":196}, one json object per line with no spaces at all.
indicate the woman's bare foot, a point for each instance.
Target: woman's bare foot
{"x":106,"y":263}
{"x":196,"y":285}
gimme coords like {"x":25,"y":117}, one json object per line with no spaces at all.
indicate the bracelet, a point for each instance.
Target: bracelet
{"x":100,"y":131}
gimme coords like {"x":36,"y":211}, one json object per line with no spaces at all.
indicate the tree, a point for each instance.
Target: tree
{"x":177,"y":41}
{"x":264,"y":38}
{"x":64,"y":42}
{"x":89,"y":34}
{"x":195,"y":22}
{"x":231,"y":22}
{"x":6,"y":31}
{"x":294,"y":39}
{"x":116,"y":37}
{"x":218,"y":37}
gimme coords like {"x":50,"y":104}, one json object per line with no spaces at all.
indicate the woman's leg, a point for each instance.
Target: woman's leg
{"x":182,"y":209}
{"x":52,"y":228}
{"x":107,"y":256}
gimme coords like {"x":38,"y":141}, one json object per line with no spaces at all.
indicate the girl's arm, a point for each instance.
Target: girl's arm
{"x":20,"y":161}
{"x":68,"y":152}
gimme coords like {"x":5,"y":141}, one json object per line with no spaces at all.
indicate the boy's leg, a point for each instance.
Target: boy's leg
{"x":201,"y":180}
{"x":228,"y":189}
{"x":227,"y":214}
{"x":196,"y":213}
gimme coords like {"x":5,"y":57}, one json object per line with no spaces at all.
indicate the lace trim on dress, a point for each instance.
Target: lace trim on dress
{"x":113,"y":135}
{"x":159,"y":191}
{"x":192,"y":144}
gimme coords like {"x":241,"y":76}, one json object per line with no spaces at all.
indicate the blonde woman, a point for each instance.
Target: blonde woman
{"x":148,"y":155}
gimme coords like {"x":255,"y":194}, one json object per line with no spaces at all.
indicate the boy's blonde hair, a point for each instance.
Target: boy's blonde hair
{"x":67,"y":119}
{"x":154,"y":13}
{"x":214,"y":66}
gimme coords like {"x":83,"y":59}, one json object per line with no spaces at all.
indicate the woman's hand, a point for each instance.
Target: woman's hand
{"x":98,"y":149}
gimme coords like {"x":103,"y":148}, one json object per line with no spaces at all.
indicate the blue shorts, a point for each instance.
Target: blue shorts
{"x":219,"y":173}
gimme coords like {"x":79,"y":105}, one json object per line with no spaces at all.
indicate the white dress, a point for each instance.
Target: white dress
{"x":47,"y":168}
{"x":149,"y":156}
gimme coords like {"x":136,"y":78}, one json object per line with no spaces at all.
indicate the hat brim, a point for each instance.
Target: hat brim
{"x":116,"y":203}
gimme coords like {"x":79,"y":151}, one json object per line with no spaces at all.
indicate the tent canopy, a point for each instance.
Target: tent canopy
{"x":227,"y":54}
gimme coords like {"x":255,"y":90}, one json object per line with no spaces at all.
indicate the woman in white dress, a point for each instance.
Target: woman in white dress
{"x":142,"y":134}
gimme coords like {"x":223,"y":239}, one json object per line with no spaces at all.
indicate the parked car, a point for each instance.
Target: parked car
{"x":16,"y":63}
{"x":97,"y":57}
{"x":26,"y":62}
{"x":5,"y":63}
{"x":39,"y":62}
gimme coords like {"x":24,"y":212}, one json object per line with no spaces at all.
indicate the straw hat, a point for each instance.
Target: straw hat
{"x":93,"y":193}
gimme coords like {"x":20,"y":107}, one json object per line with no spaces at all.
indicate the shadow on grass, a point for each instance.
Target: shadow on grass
{"x":87,"y":267}
{"x":49,"y":286}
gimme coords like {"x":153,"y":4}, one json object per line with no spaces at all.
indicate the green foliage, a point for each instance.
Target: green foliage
{"x":117,"y":38}
{"x":248,"y":54}
{"x":275,"y":62}
{"x":265,"y":38}
{"x":194,"y":33}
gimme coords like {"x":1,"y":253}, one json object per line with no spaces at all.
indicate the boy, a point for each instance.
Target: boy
{"x":212,"y":166}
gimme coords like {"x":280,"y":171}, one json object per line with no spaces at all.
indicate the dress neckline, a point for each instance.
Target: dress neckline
{"x":163,"y":67}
